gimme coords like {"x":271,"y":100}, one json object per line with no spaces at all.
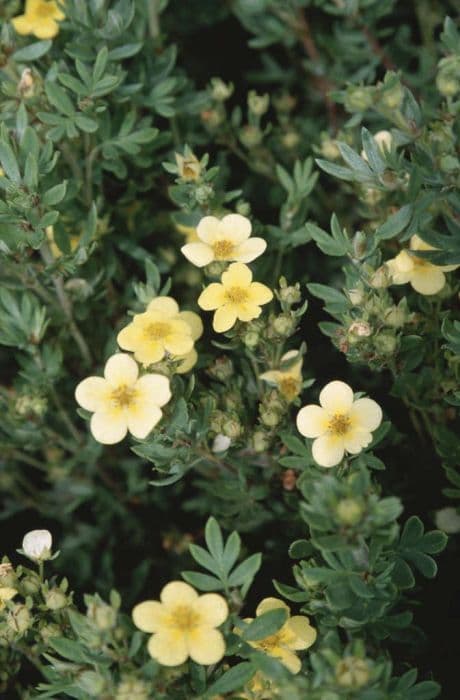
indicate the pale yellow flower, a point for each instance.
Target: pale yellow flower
{"x":340,"y":424}
{"x":121,"y":401}
{"x":55,"y":251}
{"x":162,"y":329}
{"x":6,"y":593}
{"x":259,"y":688}
{"x":40,"y":18}
{"x":237,"y":297}
{"x":226,"y":239}
{"x":295,"y":635}
{"x":183,"y":624}
{"x":188,"y":166}
{"x":288,"y":381}
{"x":422,"y":275}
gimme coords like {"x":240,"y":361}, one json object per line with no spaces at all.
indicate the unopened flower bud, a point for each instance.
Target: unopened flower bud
{"x":270,"y":417}
{"x":258,"y":104}
{"x":221,"y":443}
{"x":55,"y":599}
{"x":251,"y":339}
{"x":103,"y":616}
{"x":392,"y":98}
{"x":222,"y":369}
{"x":358,"y":99}
{"x":349,"y":511}
{"x":381,"y":278}
{"x":26,"y":84}
{"x":283,"y":325}
{"x":356,"y":296}
{"x":232,"y":427}
{"x":290,"y":139}
{"x":31,"y":405}
{"x":250,"y":136}
{"x":204,"y":193}
{"x":31,"y":584}
{"x":329,"y":148}
{"x":216,"y":421}
{"x":188,"y":166}
{"x":395,"y":316}
{"x":7,"y":575}
{"x":37,"y":545}
{"x":132,"y":689}
{"x":290,"y":294}
{"x":260,"y":441}
{"x":352,"y":672}
{"x":19,"y":618}
{"x":212,"y":117}
{"x":448,"y":520}
{"x":79,"y":288}
{"x":221,"y":91}
{"x":285,"y":102}
{"x":91,"y":683}
{"x":359,"y":244}
{"x":385,"y":343}
{"x":49,"y":631}
{"x":361,"y":329}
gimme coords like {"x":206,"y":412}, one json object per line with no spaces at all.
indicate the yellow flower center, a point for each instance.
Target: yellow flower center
{"x":339,"y":424}
{"x":236,"y":295}
{"x":274,"y":641}
{"x":421,"y":262}
{"x":184,"y":618}
{"x":157,"y":330}
{"x":123,"y":396}
{"x":289,"y":387}
{"x":222,"y":250}
{"x":45,"y":10}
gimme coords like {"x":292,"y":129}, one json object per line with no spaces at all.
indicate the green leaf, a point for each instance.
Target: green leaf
{"x":55,"y":195}
{"x":325,"y":242}
{"x":434,"y":542}
{"x":245,"y":572}
{"x":58,"y":98}
{"x":9,"y":163}
{"x":203,"y":558}
{"x":233,"y":679}
{"x":214,"y":539}
{"x":69,"y":649}
{"x":32,"y":51}
{"x":395,"y":224}
{"x":300,"y":549}
{"x":231,"y":551}
{"x":202,"y":581}
{"x":265,"y":625}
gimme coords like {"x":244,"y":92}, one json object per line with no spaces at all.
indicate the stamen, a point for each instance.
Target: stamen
{"x":123,"y":396}
{"x":157,"y":330}
{"x":236,"y":295}
{"x":339,"y":424}
{"x":222,"y":249}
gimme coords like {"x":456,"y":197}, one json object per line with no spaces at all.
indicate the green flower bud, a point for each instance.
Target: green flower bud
{"x":55,"y":599}
{"x":290,"y":139}
{"x":392,"y":98}
{"x":132,"y":689}
{"x":204,"y":193}
{"x":356,"y":296}
{"x":359,"y":244}
{"x":269,"y":417}
{"x":381,"y":278}
{"x":216,"y":421}
{"x":290,"y":294}
{"x":358,"y":99}
{"x":49,"y":631}
{"x":260,"y":441}
{"x":91,"y":683}
{"x":222,"y":369}
{"x":447,"y":84}
{"x":283,"y":325}
{"x":31,"y":405}
{"x":30,"y":584}
{"x":19,"y":618}
{"x":220,"y":91}
{"x":329,"y":148}
{"x":449,"y":164}
{"x":448,"y":520}
{"x":352,"y":672}
{"x":103,"y":616}
{"x":232,"y":427}
{"x":395,"y":316}
{"x":250,"y":136}
{"x":385,"y":343}
{"x":349,"y":511}
{"x":258,"y":104}
{"x":251,"y":339}
{"x":8,"y":576}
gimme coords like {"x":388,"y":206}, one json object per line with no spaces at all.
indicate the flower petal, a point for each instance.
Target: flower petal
{"x":328,"y":450}
{"x":268,"y":604}
{"x":312,"y":421}
{"x":212,"y":297}
{"x":366,"y":413}
{"x":121,"y":369}
{"x":288,"y":659}
{"x":305,"y":634}
{"x":194,"y":322}
{"x":142,"y":418}
{"x":206,"y":646}
{"x":208,"y":229}
{"x":199,"y":254}
{"x":150,"y":352}
{"x":178,"y":593}
{"x":168,"y":647}
{"x":427,"y":279}
{"x":246,"y":312}
{"x":224,"y":318}
{"x":165,"y":305}
{"x":356,"y":440}
{"x":235,"y":228}
{"x":212,"y":608}
{"x":156,"y":388}
{"x":260,"y":293}
{"x":237,"y":275}
{"x":250,"y":250}
{"x":47,"y":29}
{"x":131,"y":336}
{"x":149,"y":616}
{"x":22,"y":25}
{"x":109,"y":427}
{"x":336,"y":397}
{"x":187,"y":362}
{"x":92,"y":393}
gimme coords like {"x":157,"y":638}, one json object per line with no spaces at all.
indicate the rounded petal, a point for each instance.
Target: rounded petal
{"x":165,"y":305}
{"x":92,"y":393}
{"x":187,"y":362}
{"x":178,"y":593}
{"x":246,"y":312}
{"x":268,"y":604}
{"x":312,"y":421}
{"x":199,"y":254}
{"x":305,"y":634}
{"x":208,"y":229}
{"x":142,"y":418}
{"x":328,"y":450}
{"x":47,"y":29}
{"x":121,"y":369}
{"x":336,"y":397}
{"x":427,"y":279}
{"x":356,"y":440}
{"x":194,"y":322}
{"x":224,"y":318}
{"x":259,"y":293}
{"x":272,"y":376}
{"x":206,"y":646}
{"x":149,"y":616}
{"x":131,"y":336}
{"x":366,"y":413}
{"x":288,"y":659}
{"x":250,"y":250}
{"x":156,"y":388}
{"x":22,"y":25}
{"x":236,"y":228}
{"x":178,"y":344}
{"x":36,"y":543}
{"x":212,"y":608}
{"x":212,"y":297}
{"x":109,"y":427}
{"x":168,"y":647}
{"x":7,"y":593}
{"x":417,"y":243}
{"x":237,"y":275}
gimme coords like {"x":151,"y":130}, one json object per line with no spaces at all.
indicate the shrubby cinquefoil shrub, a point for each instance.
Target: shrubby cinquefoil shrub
{"x":230,"y":344}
